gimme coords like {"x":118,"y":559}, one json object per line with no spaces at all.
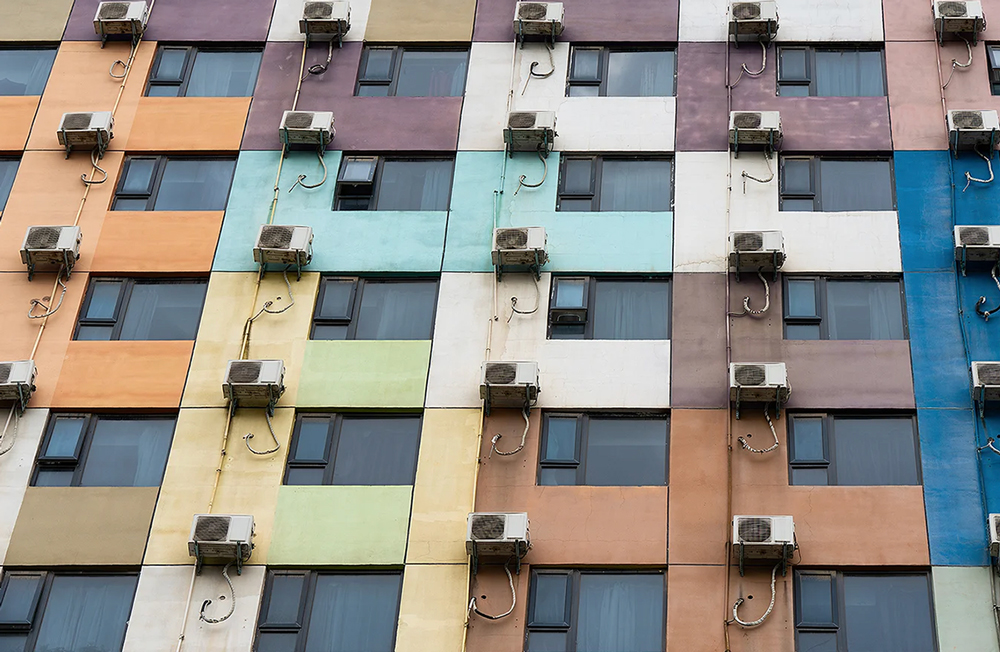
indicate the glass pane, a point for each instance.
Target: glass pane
{"x":568,"y":331}
{"x":377,"y":451}
{"x":378,"y":64}
{"x":223,"y":74}
{"x":855,"y":186}
{"x":24,"y":72}
{"x":329,"y":332}
{"x":631,"y":310}
{"x":139,"y":176}
{"x":815,"y":600}
{"x":586,"y":65}
{"x":358,"y":169}
{"x":354,"y":612}
{"x":64,"y":440}
{"x":641,"y":74}
{"x":560,"y":439}
{"x":620,"y":613}
{"x":337,"y":299}
{"x":570,"y":293}
{"x":796,"y":177}
{"x":103,"y":299}
{"x":849,"y":73}
{"x":373,"y":90}
{"x":817,"y":642}
{"x":635,"y":185}
{"x":792,"y":64}
{"x":311,"y":440}
{"x":86,"y":613}
{"x":18,"y":604}
{"x":889,"y":613}
{"x":397,"y":311}
{"x":801,"y":299}
{"x":195,"y":185}
{"x":547,"y":642}
{"x":793,"y":90}
{"x":798,"y":205}
{"x":272,"y":642}
{"x":52,"y":478}
{"x":994,"y":56}
{"x":584,"y":90}
{"x":128,"y":453}
{"x":879,"y":451}
{"x":577,"y":205}
{"x":557,"y":476}
{"x":8,"y":169}
{"x":864,"y":310}
{"x":284,"y":600}
{"x":802,"y":332}
{"x":807,"y":434}
{"x":305,"y":476}
{"x":94,"y":333}
{"x":549,"y":607}
{"x":415,"y":186}
{"x":578,"y":176}
{"x":629,"y":452}
{"x":171,"y":65}
{"x":123,"y":204}
{"x":163,"y":90}
{"x":163,"y":311}
{"x":432,"y":74}
{"x":810,"y":476}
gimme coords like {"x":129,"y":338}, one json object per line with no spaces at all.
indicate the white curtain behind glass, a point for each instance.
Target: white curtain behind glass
{"x":86,"y":614}
{"x":864,"y":310}
{"x":620,"y":613}
{"x":353,"y":613}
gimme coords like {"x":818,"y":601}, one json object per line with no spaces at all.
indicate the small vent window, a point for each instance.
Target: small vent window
{"x":212,"y":528}
{"x":754,"y":530}
{"x":488,"y":527}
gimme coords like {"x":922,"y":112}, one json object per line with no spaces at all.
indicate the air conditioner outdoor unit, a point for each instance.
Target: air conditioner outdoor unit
{"x":958,"y":17}
{"x":51,"y":246}
{"x":17,"y":381}
{"x":530,"y":131}
{"x":763,"y":537}
{"x":754,"y":128}
{"x":509,"y":384}
{"x":307,"y":128}
{"x":254,"y":383}
{"x":116,"y":18}
{"x":88,"y":130}
{"x":971,"y":129}
{"x":986,"y":381}
{"x":765,"y":382}
{"x":538,"y":19}
{"x":325,"y":21}
{"x":756,"y":250}
{"x":752,"y":21}
{"x":994,"y":525}
{"x":280,"y":244}
{"x":519,"y":246}
{"x":977,"y":243}
{"x":497,"y":535}
{"x":221,"y":536}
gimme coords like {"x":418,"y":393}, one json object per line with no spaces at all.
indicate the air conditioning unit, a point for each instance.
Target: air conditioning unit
{"x":994,"y":525}
{"x":17,"y":381}
{"x":986,"y":381}
{"x":497,"y":535}
{"x":254,"y":383}
{"x":756,"y":250}
{"x":280,"y":244}
{"x":116,"y":18}
{"x":958,"y":17}
{"x":751,"y":21}
{"x":969,"y":129}
{"x":325,"y":21}
{"x":538,"y":19}
{"x":977,"y":243}
{"x":754,"y":128}
{"x":51,"y":246}
{"x":519,"y":246}
{"x":221,"y":536}
{"x":88,"y":130}
{"x":307,"y":128}
{"x":765,"y":382}
{"x":509,"y":384}
{"x":530,"y":131}
{"x":763,"y":537}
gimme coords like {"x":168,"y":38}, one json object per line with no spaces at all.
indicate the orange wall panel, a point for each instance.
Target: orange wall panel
{"x":16,"y":115}
{"x":189,"y":124}
{"x":157,"y":241}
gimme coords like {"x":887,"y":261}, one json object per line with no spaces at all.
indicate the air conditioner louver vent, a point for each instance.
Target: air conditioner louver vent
{"x":755,"y":530}
{"x":974,"y":236}
{"x":748,"y":241}
{"x":501,"y":374}
{"x":212,"y":528}
{"x":512,"y":239}
{"x":747,"y":120}
{"x":521,"y":120}
{"x":952,"y":9}
{"x":750,"y":375}
{"x":75,"y":121}
{"x":276,"y":237}
{"x":43,"y":237}
{"x":967,"y":119}
{"x":299,"y":120}
{"x":5,"y":372}
{"x":317,"y":10}
{"x":532,"y":11}
{"x":989,"y":374}
{"x":244,"y":372}
{"x":746,"y":10}
{"x":113,"y":10}
{"x":490,"y":526}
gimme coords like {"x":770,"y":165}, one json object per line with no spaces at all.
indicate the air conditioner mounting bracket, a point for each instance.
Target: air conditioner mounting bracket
{"x":136,"y":34}
{"x":787,"y":550}
{"x":23,"y":395}
{"x":234,"y":404}
{"x":953,"y":143}
{"x":765,"y":38}
{"x":550,"y":38}
{"x":102,"y":145}
{"x":774,"y":258}
{"x":67,"y":266}
{"x":262,"y":269}
{"x":200,"y":560}
{"x":535,"y":268}
{"x":527,"y":400}
{"x":769,"y":149}
{"x":777,"y":404}
{"x":339,"y":39}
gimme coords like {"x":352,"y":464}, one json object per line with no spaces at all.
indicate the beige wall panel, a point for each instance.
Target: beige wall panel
{"x":432,"y":608}
{"x":405,"y":20}
{"x":33,"y":20}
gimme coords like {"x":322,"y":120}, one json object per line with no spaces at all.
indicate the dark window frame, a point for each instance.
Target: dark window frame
{"x":821,"y":318}
{"x":156,"y":178}
{"x":336,"y":421}
{"x":34,"y":46}
{"x":398,"y":51}
{"x":993,"y":69}
{"x":376,"y":182}
{"x":590,"y":299}
{"x":829,"y":435}
{"x":596,"y":175}
{"x":355,"y":303}
{"x":809,"y":81}
{"x":4,"y":198}
{"x":815,"y":178}
{"x":604,"y":52}
{"x":124,"y":296}
{"x":191,"y":53}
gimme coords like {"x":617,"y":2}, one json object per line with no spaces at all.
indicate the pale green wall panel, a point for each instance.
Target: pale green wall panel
{"x":963,"y":609}
{"x":364,"y":373}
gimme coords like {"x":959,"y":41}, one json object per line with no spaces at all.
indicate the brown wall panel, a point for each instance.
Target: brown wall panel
{"x":189,"y":124}
{"x":16,"y":115}
{"x":698,"y":341}
{"x":115,"y":374}
{"x":157,"y":241}
{"x":404,"y":20}
{"x":506,"y":635}
{"x":69,"y":526}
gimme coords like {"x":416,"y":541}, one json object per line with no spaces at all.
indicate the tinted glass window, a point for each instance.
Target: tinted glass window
{"x":635,"y":185}
{"x":849,"y":73}
{"x":397,"y":311}
{"x":129,"y":309}
{"x":890,"y":613}
{"x":8,"y":169}
{"x":626,"y":452}
{"x":856,"y":185}
{"x":431,"y":74}
{"x":864,"y":310}
{"x":415,"y":186}
{"x":640,"y":74}
{"x":86,"y":613}
{"x":128,"y":453}
{"x":625,"y":310}
{"x":192,"y":185}
{"x":223,"y":74}
{"x":24,"y":72}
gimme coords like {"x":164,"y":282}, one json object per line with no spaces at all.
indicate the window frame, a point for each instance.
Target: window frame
{"x":124,"y":297}
{"x":397,"y":61}
{"x":809,"y":81}
{"x":815,"y":179}
{"x":596,"y":177}
{"x":15,"y":46}
{"x":376,"y":182}
{"x":190,"y":55}
{"x":993,"y":70}
{"x":156,"y":178}
{"x":4,"y":198}
{"x":821,"y":318}
{"x":355,"y":302}
{"x":604,"y":63}
{"x":590,"y":300}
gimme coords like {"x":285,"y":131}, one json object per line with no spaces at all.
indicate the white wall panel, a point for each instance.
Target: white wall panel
{"x":285,"y":21}
{"x":16,"y":466}
{"x":798,"y":20}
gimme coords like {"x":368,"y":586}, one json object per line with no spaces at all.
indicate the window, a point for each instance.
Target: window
{"x":843,"y":309}
{"x":603,"y":450}
{"x":374,"y":309}
{"x":8,"y":169}
{"x":349,"y":449}
{"x":141,"y":309}
{"x":609,"y":308}
{"x":858,"y":612}
{"x":24,"y":71}
{"x":603,"y":183}
{"x":378,"y":183}
{"x":43,"y":611}
{"x":830,"y":72}
{"x":814,"y":183}
{"x":853,"y":450}
{"x":188,"y":71}
{"x":613,"y":72}
{"x":332,"y":612}
{"x":83,"y":450}
{"x":572,"y":611}
{"x":994,"y":63}
{"x":158,"y":183}
{"x":412,"y":72}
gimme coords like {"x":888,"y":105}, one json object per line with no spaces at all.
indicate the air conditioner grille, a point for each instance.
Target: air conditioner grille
{"x":750,"y":374}
{"x":113,"y":10}
{"x":996,"y":528}
{"x":989,"y":374}
{"x":524,"y":120}
{"x":755,"y":530}
{"x":488,"y":526}
{"x":952,"y":9}
{"x":318,"y":10}
{"x":967,"y":119}
{"x":501,"y":374}
{"x":512,"y":239}
{"x":5,"y":372}
{"x":974,"y":235}
{"x":748,"y":241}
{"x":276,"y":237}
{"x":746,"y":120}
{"x":746,"y":10}
{"x":212,"y":528}
{"x":532,"y":11}
{"x":299,"y":120}
{"x":76,"y":121}
{"x":244,"y":372}
{"x":43,"y":237}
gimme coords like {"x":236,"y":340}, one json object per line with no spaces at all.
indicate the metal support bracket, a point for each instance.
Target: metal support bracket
{"x":198,"y":561}
{"x":965,"y":254}
{"x":738,"y":388}
{"x":742,"y":545}
{"x":474,"y":559}
{"x":534,"y":268}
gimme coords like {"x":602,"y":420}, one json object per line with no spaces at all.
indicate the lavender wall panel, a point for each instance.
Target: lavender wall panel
{"x":702,"y":113}
{"x":186,"y":20}
{"x":589,"y":21}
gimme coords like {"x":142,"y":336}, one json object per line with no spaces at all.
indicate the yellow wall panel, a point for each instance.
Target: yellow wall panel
{"x":404,"y":20}
{"x":432,"y":608}
{"x":33,"y":20}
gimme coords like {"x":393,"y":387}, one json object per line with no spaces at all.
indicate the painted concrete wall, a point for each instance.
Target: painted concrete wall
{"x":285,"y":21}
{"x":364,"y":373}
{"x":962,"y":603}
{"x":180,"y":20}
{"x":588,"y":21}
{"x":37,"y":20}
{"x":801,"y":20}
{"x":400,"y":20}
{"x":16,"y":467}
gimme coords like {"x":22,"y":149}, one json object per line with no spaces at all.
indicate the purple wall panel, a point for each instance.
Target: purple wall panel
{"x":698,"y":342}
{"x":363,"y":123}
{"x":588,"y":21}
{"x":186,"y":20}
{"x":808,"y":123}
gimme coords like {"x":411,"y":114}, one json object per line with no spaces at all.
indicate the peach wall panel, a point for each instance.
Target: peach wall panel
{"x":188,"y":124}
{"x":506,"y":635}
{"x":16,"y":115}
{"x":915,"y":96}
{"x":157,"y":241}
{"x":695,"y":608}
